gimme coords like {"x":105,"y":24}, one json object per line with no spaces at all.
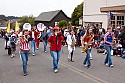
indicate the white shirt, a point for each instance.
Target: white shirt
{"x":33,"y":35}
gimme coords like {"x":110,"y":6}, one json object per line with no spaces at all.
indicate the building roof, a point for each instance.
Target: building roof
{"x":120,"y":8}
{"x":47,"y":16}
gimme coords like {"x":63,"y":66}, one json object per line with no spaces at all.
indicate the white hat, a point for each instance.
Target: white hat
{"x":118,"y":27}
{"x":13,"y":35}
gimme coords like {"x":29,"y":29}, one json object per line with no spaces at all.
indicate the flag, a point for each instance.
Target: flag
{"x":109,"y":15}
{"x":16,"y":26}
{"x":8,"y":27}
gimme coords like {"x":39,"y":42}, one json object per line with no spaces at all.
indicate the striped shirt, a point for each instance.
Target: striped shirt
{"x":108,"y":38}
{"x":24,"y":46}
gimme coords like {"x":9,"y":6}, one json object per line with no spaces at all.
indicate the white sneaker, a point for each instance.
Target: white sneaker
{"x":91,"y":58}
{"x":12,"y":56}
{"x":85,"y":65}
{"x":104,"y":53}
{"x":55,"y":71}
{"x":111,"y":66}
{"x":106,"y":64}
{"x":37,"y":48}
{"x":45,"y":51}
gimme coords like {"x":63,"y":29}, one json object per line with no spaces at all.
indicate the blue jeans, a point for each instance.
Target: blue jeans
{"x":45,"y":44}
{"x":24,"y":56}
{"x":33,"y":46}
{"x":108,"y":57}
{"x":122,"y":49}
{"x":56,"y":56}
{"x":87,"y":59}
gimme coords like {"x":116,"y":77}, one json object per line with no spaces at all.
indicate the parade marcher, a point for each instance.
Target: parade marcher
{"x":49,"y":31}
{"x":44,"y":39}
{"x":87,"y":39}
{"x":24,"y":50}
{"x":108,"y":38}
{"x":96,"y":35}
{"x":33,"y":36}
{"x":66,"y":33}
{"x":13,"y":40}
{"x":55,"y":47}
{"x":7,"y":43}
{"x":37,"y":40}
{"x":71,"y":40}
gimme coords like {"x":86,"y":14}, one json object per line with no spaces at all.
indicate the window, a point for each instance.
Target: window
{"x":120,"y":20}
{"x":117,"y":21}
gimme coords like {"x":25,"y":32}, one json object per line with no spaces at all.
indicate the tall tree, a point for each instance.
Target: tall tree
{"x":27,"y":19}
{"x":62,"y":23}
{"x":77,"y":13}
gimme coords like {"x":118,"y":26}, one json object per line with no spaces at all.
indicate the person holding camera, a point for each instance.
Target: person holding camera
{"x":55,"y":46}
{"x":24,"y":50}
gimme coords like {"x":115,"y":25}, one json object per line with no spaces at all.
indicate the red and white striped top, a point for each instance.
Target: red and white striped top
{"x":24,"y":46}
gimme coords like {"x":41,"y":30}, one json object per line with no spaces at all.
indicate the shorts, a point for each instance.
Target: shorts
{"x":13,"y":49}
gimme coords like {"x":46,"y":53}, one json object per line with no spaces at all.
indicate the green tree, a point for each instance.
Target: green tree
{"x":62,"y":23}
{"x":27,"y":19}
{"x":77,"y":13}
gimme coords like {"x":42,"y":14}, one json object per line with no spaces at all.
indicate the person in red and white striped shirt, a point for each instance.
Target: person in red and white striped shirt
{"x":24,"y":50}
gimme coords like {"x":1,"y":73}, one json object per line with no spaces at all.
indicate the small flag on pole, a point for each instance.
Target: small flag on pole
{"x":16,"y":26}
{"x":8,"y":27}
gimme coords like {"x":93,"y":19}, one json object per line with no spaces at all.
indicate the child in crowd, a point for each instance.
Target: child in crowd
{"x":117,"y":49}
{"x":13,"y":45}
{"x":123,"y":54}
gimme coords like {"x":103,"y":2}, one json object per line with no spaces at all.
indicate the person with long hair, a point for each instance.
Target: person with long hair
{"x":24,"y":50}
{"x":55,"y":47}
{"x":108,"y":38}
{"x":85,"y":39}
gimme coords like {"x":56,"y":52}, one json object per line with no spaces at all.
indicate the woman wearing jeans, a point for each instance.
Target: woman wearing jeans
{"x":85,"y":39}
{"x":55,"y":47}
{"x":108,"y":46}
{"x":24,"y":50}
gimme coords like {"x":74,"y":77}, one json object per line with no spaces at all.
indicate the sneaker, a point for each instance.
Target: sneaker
{"x":91,"y":58}
{"x":104,"y":53}
{"x":69,"y":60}
{"x":12,"y":56}
{"x":85,"y":65}
{"x":106,"y":64}
{"x":89,"y":67}
{"x":25,"y":74}
{"x":55,"y":71}
{"x":37,"y":48}
{"x":72,"y":61}
{"x":118,"y":55}
{"x":45,"y":51}
{"x":111,"y":66}
{"x":33,"y":54}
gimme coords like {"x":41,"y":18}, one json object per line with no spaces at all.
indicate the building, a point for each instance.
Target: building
{"x":95,"y":12}
{"x":52,"y":18}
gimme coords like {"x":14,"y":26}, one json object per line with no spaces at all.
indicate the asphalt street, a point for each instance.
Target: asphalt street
{"x":40,"y":68}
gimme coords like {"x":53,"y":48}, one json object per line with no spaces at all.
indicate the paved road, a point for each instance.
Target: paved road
{"x":40,"y":68}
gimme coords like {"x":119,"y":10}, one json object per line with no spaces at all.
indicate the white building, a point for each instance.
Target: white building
{"x":95,"y":12}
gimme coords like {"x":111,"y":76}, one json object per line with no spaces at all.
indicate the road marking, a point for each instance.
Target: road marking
{"x":81,"y":72}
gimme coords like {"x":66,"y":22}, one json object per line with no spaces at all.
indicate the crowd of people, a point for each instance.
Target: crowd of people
{"x":110,"y":42}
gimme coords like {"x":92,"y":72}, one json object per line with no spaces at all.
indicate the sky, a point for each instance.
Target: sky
{"x":36,"y":7}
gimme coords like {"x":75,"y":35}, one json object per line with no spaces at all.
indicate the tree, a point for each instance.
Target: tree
{"x":77,"y":13}
{"x":62,"y":23}
{"x":27,"y":19}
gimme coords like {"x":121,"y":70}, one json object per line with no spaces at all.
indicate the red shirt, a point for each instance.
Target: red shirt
{"x":55,"y":42}
{"x":86,"y":39}
{"x":35,"y":34}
